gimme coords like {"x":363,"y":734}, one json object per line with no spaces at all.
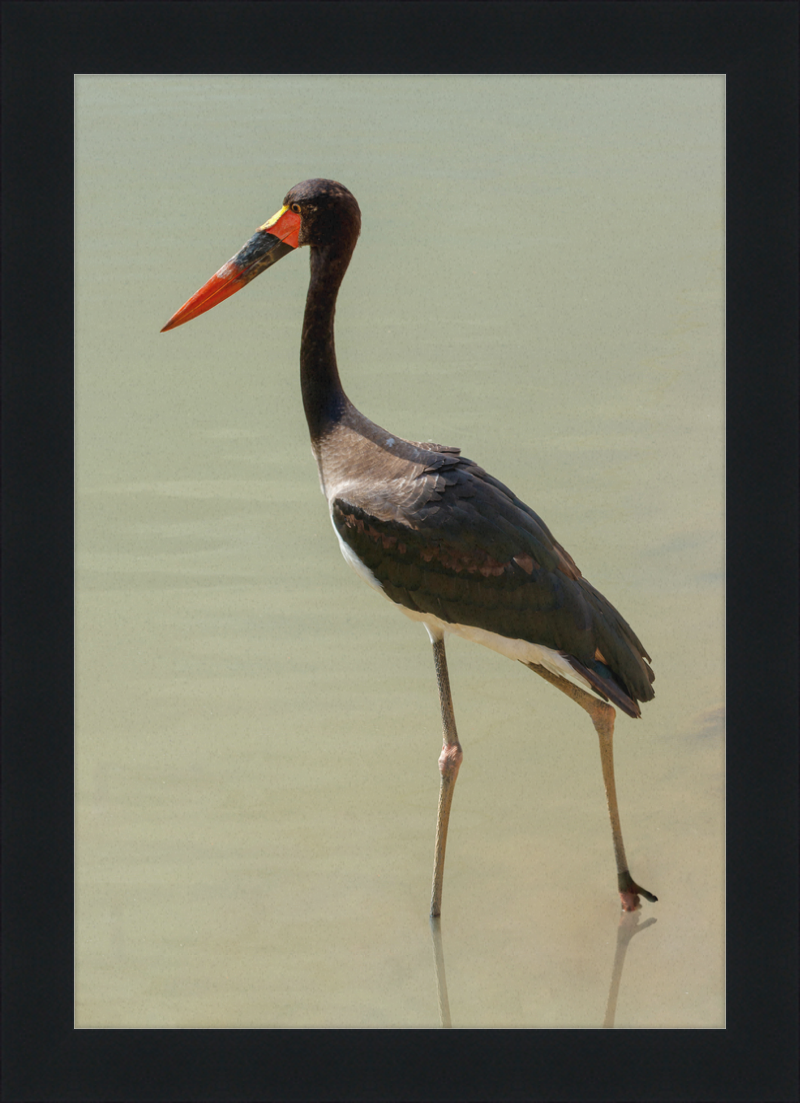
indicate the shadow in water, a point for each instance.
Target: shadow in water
{"x":438,"y":965}
{"x":627,"y":928}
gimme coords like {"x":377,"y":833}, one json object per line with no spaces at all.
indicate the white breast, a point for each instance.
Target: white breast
{"x":361,"y":570}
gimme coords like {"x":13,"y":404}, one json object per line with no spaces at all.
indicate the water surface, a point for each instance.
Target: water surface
{"x":539,"y":281}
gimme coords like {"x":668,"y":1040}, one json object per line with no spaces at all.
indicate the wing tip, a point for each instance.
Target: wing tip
{"x":606,"y":688}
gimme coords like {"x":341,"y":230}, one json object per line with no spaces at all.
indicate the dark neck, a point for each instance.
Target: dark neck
{"x":324,"y":400}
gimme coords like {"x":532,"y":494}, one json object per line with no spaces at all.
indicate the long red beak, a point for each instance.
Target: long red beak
{"x":268,"y":244}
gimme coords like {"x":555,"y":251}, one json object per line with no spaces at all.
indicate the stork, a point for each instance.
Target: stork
{"x":429,"y":529}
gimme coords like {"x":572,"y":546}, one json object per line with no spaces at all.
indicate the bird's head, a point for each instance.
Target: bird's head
{"x":328,"y":212}
{"x":319,"y":213}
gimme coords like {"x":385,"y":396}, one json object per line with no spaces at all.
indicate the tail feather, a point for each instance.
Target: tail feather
{"x":602,"y":681}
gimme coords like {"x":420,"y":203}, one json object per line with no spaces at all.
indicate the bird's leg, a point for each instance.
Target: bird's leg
{"x":603,"y":719}
{"x":449,"y":762}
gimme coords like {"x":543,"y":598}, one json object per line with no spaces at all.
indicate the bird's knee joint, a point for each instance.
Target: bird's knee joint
{"x":450,"y":759}
{"x":603,"y":717}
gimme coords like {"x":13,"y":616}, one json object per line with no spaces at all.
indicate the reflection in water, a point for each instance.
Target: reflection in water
{"x":628,"y":927}
{"x":438,"y":964}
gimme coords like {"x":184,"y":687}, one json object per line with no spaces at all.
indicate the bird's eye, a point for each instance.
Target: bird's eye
{"x":296,"y":208}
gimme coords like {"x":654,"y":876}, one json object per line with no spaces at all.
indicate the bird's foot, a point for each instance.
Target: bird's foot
{"x":629,"y":893}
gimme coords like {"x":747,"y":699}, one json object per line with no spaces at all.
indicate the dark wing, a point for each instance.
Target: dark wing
{"x":470,"y":552}
{"x":429,"y":446}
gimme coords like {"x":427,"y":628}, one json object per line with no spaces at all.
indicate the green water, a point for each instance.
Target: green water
{"x":539,"y":280}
